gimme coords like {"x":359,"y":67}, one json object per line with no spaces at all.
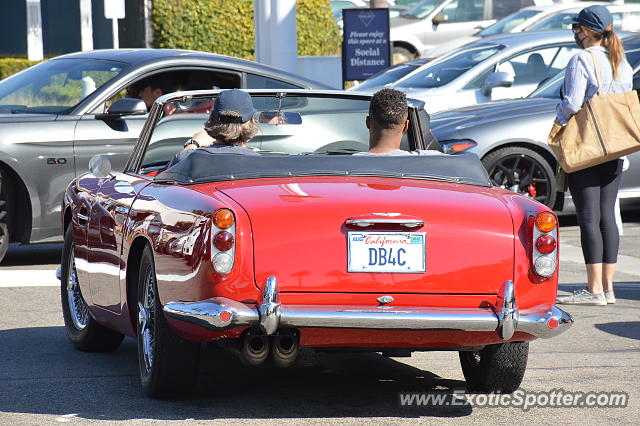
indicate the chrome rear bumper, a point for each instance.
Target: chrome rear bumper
{"x":219,"y":313}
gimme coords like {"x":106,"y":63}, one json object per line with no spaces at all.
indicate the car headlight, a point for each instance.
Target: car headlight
{"x":454,"y":146}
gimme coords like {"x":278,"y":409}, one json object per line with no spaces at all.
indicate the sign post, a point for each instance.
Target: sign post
{"x":365,"y":48}
{"x":114,"y":10}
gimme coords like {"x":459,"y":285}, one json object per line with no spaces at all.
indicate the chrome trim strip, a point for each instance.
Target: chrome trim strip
{"x":83,"y":217}
{"x":363,"y":223}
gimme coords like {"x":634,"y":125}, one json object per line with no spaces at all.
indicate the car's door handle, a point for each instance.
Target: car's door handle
{"x":385,"y":219}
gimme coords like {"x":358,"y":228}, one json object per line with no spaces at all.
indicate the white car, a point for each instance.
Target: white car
{"x":626,"y":17}
{"x":433,"y":22}
{"x":499,"y":67}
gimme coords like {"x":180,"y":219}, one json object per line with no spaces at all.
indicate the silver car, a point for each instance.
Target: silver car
{"x":510,"y":137}
{"x":58,"y":114}
{"x":626,"y":17}
{"x":432,"y":22}
{"x":499,"y":67}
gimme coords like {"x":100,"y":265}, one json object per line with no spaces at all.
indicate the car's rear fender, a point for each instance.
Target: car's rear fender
{"x":177,"y":222}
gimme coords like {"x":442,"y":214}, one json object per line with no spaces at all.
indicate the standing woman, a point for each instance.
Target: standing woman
{"x":594,"y":189}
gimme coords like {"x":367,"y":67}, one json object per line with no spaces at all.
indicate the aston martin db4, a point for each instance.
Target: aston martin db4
{"x":305,"y":246}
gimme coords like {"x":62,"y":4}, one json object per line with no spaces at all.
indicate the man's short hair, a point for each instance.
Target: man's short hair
{"x":388,"y":108}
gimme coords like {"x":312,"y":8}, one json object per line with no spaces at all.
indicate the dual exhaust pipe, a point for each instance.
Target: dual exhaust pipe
{"x":283,"y":347}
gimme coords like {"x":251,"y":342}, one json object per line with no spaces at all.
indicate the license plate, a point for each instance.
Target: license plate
{"x":400,"y":252}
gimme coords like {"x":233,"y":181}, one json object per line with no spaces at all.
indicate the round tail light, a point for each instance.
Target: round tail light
{"x":223,"y":219}
{"x":223,"y":240}
{"x":546,"y":244}
{"x":545,"y":266}
{"x":222,"y":263}
{"x":546,"y":221}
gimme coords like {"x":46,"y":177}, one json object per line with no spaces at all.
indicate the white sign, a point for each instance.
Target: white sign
{"x":387,"y":252}
{"x":114,"y":9}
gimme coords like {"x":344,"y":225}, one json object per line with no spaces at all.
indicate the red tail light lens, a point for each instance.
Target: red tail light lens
{"x":223,"y":240}
{"x":546,"y":244}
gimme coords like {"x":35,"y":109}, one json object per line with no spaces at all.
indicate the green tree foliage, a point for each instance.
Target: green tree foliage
{"x":9,"y":66}
{"x":226,"y":27}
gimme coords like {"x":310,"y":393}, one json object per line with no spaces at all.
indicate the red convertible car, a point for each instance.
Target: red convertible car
{"x":305,"y":246}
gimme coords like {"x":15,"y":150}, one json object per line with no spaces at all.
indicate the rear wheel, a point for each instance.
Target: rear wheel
{"x":496,"y":368}
{"x":83,"y":331}
{"x":168,"y":364}
{"x":524,"y":171}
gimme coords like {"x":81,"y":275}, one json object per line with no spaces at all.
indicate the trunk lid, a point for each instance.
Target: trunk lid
{"x":300,"y":233}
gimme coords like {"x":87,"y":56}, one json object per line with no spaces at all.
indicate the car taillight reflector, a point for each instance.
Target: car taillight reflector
{"x":223,"y":240}
{"x":546,"y":221}
{"x":552,"y":323}
{"x":223,"y":219}
{"x":225,"y":316}
{"x":546,"y":244}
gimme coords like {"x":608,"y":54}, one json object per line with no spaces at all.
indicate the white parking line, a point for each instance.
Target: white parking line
{"x":28,"y":278}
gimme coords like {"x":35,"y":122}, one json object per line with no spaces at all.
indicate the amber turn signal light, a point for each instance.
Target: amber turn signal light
{"x":223,"y":218}
{"x":546,"y":221}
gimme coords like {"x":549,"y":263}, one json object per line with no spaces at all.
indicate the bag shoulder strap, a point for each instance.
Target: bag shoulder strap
{"x":597,"y":69}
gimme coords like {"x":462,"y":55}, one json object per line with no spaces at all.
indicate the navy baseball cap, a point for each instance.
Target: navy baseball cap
{"x":596,"y":18}
{"x":233,"y":100}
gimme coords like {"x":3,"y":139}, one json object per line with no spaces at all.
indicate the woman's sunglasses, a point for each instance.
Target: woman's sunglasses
{"x":576,"y":28}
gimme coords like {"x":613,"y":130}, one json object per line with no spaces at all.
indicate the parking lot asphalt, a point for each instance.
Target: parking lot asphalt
{"x":43,"y":380}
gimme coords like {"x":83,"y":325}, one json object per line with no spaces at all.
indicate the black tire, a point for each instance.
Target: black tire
{"x":496,"y":368}
{"x":401,"y":54}
{"x":524,"y":171}
{"x":168,"y":364}
{"x":83,"y":330}
{"x":4,"y":220}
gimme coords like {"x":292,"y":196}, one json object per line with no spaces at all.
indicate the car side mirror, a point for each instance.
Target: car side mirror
{"x":100,"y":166}
{"x":124,"y":106}
{"x":439,"y":19}
{"x":496,"y":79}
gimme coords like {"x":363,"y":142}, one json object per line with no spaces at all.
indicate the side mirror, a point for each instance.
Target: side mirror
{"x":439,"y":19}
{"x":124,"y":106}
{"x":496,"y":79}
{"x":100,"y":166}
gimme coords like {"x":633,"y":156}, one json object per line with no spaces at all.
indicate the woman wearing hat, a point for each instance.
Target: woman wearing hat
{"x":229,"y":127}
{"x":594,"y":189}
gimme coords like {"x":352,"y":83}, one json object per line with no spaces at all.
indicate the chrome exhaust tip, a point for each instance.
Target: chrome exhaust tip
{"x":285,"y":349}
{"x":255,"y":348}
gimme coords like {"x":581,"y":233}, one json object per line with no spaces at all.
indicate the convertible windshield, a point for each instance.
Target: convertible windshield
{"x":508,"y":23}
{"x":423,"y":8}
{"x":55,"y":86}
{"x":450,"y":68}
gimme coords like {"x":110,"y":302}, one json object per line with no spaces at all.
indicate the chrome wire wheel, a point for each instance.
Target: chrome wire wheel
{"x":146,"y":317}
{"x":77,"y":307}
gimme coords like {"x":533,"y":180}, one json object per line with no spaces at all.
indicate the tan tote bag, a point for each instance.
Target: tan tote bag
{"x":606,"y":127}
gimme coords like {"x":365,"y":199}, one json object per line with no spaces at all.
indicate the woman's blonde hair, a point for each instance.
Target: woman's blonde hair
{"x":611,"y":42}
{"x":229,"y":130}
